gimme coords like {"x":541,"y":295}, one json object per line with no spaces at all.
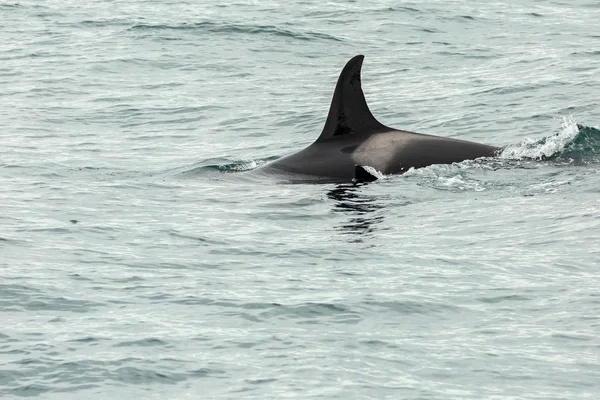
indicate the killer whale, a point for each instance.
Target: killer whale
{"x":353,"y":138}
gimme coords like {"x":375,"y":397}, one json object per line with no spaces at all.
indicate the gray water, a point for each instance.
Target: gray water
{"x":135,"y":262}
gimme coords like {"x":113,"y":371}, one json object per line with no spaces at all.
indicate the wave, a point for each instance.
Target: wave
{"x":585,"y":145}
{"x":226,"y":28}
{"x":575,"y":142}
{"x":223,"y":165}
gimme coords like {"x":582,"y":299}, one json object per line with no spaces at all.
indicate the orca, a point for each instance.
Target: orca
{"x":353,"y":143}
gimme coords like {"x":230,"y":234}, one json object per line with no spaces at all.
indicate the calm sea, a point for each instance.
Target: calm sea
{"x":136,"y":263}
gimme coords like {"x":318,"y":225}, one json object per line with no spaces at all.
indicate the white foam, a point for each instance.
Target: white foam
{"x":245,"y":166}
{"x":546,"y":147}
{"x":448,"y":175}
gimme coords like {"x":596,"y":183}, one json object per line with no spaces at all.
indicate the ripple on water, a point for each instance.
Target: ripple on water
{"x":230,"y":28}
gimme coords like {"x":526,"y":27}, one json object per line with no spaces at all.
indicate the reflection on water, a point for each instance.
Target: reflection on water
{"x":360,"y":207}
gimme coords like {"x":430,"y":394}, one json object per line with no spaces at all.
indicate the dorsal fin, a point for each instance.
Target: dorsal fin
{"x":349,"y":112}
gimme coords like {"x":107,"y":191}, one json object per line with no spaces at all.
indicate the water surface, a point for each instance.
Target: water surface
{"x":135,"y":262}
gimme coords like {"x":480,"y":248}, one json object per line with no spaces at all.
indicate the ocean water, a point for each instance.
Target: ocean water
{"x":136,"y":262}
